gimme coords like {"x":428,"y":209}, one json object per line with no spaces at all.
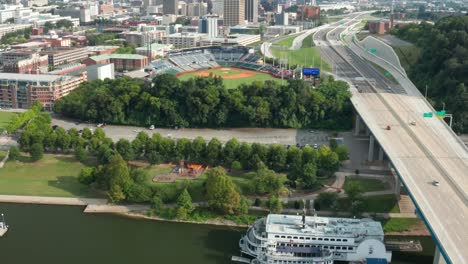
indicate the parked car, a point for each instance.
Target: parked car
{"x":435,"y":183}
{"x":151,"y":127}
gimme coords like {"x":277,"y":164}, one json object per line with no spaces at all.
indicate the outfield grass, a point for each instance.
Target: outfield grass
{"x":232,"y":83}
{"x":5,"y":118}
{"x":399,"y":224}
{"x":306,"y":57}
{"x":53,"y":175}
{"x":367,"y":185}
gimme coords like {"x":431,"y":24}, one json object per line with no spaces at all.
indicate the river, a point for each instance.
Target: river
{"x":64,"y":235}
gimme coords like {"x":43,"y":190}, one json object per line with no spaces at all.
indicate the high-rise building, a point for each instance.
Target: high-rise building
{"x":251,"y":10}
{"x":234,"y":12}
{"x":209,"y":25}
{"x":171,"y":7}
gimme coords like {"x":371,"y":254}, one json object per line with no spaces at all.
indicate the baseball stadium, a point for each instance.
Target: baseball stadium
{"x":236,"y":65}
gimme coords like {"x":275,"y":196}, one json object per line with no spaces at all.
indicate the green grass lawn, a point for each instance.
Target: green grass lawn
{"x":307,"y":42}
{"x":5,"y":118}
{"x":399,"y":224}
{"x":286,"y":42}
{"x":367,"y":185}
{"x":307,"y":57}
{"x":232,"y":83}
{"x":53,"y":175}
{"x":408,"y":55}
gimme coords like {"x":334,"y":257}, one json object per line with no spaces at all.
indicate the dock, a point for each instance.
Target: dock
{"x":404,"y":246}
{"x":240,"y":259}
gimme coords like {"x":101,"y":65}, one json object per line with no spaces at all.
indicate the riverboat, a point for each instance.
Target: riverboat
{"x":301,"y":239}
{"x":3,"y":226}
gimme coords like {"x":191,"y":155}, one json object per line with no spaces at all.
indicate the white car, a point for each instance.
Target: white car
{"x":151,"y":127}
{"x":315,"y":146}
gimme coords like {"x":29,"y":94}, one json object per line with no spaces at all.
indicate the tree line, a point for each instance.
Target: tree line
{"x":442,"y":65}
{"x":205,"y":102}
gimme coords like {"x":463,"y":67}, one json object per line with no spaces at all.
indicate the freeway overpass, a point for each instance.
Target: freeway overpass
{"x":421,"y":150}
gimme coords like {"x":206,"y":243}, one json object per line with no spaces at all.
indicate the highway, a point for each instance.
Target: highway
{"x":422,"y":153}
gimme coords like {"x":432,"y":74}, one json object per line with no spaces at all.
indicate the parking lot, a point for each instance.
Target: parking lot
{"x":251,"y":135}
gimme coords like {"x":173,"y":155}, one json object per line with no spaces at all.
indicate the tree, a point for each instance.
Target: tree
{"x":342,"y":152}
{"x":353,"y":190}
{"x":275,"y":205}
{"x":86,"y":134}
{"x":213,"y":151}
{"x":80,"y":154}
{"x":87,"y":175}
{"x":236,"y":165}
{"x":139,"y":193}
{"x":230,"y":151}
{"x":185,"y":201}
{"x":294,"y":160}
{"x":183,"y":149}
{"x":266,"y":181}
{"x":327,"y":199}
{"x":220,"y":192}
{"x":277,"y":156}
{"x":14,"y":153}
{"x":156,"y":203}
{"x":309,"y":175}
{"x":37,"y":151}
{"x":328,"y":161}
{"x":125,"y":149}
{"x":116,"y":173}
{"x":245,"y":154}
{"x":116,"y":193}
{"x":198,"y":150}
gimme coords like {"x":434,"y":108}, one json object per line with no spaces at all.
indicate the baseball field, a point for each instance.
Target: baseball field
{"x":232,"y":77}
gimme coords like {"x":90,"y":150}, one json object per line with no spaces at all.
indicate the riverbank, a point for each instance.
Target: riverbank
{"x":140,"y":211}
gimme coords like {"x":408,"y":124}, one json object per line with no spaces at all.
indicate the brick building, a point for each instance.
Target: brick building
{"x":35,"y":64}
{"x":65,"y":55}
{"x":307,"y":13}
{"x":122,"y":62}
{"x":20,"y":90}
{"x":379,"y":27}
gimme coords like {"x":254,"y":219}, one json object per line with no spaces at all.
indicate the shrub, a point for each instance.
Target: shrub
{"x":37,"y":151}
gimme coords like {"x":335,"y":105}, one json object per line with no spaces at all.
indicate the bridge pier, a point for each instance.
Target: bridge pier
{"x":438,"y":258}
{"x":381,"y":153}
{"x":357,"y":126}
{"x":370,"y":154}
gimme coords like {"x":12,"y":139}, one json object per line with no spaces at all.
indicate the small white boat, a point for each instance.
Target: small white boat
{"x":3,"y":226}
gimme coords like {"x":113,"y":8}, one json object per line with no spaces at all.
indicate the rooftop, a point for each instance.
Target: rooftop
{"x":117,"y":56}
{"x":101,"y":48}
{"x":315,"y":225}
{"x":33,"y":77}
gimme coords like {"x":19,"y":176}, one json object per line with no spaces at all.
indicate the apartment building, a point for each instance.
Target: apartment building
{"x":122,"y":62}
{"x":65,"y":55}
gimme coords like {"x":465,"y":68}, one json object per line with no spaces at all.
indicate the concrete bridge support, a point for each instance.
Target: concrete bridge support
{"x":370,"y":154}
{"x":357,"y":125}
{"x":438,"y":258}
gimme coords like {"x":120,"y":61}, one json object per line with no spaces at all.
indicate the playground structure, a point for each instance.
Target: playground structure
{"x":183,"y":170}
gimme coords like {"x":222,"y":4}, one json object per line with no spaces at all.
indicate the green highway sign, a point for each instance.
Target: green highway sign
{"x":440,"y":114}
{"x":387,"y":73}
{"x":428,"y":114}
{"x":373,"y":50}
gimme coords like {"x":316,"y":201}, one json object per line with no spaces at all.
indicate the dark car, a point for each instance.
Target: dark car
{"x":54,"y":127}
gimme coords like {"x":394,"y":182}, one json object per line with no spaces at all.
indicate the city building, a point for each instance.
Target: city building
{"x":11,"y":56}
{"x":308,"y":13}
{"x":297,"y":239}
{"x":234,"y":12}
{"x":251,"y":11}
{"x":31,"y":3}
{"x":68,"y":69}
{"x":233,"y":39}
{"x":100,"y":72}
{"x":154,"y":50}
{"x":209,"y":26}
{"x":273,"y":31}
{"x":183,"y":40}
{"x":245,"y":29}
{"x":34,"y":64}
{"x":218,"y":7}
{"x":39,"y":19}
{"x":7,"y":28}
{"x":282,"y":19}
{"x":101,"y":50}
{"x":122,"y":62}
{"x":11,"y":11}
{"x":188,"y":29}
{"x":171,"y":7}
{"x":143,"y":38}
{"x":21,"y":90}
{"x":60,"y":56}
{"x":197,"y":9}
{"x":379,"y":27}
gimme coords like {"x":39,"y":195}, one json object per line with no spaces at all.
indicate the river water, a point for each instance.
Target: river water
{"x":64,"y":235}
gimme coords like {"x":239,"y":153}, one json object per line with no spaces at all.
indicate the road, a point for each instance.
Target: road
{"x":420,"y":154}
